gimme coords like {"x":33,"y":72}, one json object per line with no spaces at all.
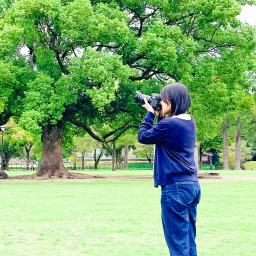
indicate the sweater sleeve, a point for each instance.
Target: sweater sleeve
{"x":152,"y":134}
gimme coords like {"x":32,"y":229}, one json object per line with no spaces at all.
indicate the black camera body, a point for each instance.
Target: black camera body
{"x":154,"y":100}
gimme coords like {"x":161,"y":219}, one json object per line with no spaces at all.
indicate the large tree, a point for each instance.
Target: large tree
{"x":85,"y":59}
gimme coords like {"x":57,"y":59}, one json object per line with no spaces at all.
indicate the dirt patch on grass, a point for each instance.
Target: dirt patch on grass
{"x":69,"y":175}
{"x":79,"y":176}
{"x":210,"y":175}
{"x":82,"y":176}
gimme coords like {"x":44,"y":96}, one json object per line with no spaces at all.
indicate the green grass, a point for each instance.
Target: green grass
{"x":239,"y":173}
{"x":113,"y":218}
{"x":140,"y":172}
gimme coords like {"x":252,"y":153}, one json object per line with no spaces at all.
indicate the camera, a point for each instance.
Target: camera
{"x":154,"y":100}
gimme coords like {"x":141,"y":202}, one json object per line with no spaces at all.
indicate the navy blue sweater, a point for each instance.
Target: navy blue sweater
{"x":174,"y":150}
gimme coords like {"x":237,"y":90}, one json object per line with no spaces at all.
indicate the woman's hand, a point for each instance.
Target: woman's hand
{"x":148,"y":107}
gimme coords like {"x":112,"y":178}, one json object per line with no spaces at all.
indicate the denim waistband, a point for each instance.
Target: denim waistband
{"x":177,"y":182}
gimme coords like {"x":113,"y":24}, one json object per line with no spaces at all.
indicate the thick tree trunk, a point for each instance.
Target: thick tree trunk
{"x":126,"y":151}
{"x":225,"y":144}
{"x":114,"y":157}
{"x":238,"y":144}
{"x":51,"y":160}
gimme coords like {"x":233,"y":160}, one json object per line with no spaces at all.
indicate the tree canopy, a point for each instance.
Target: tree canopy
{"x":81,"y":62}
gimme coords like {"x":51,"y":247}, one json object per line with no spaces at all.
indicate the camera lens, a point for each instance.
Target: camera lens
{"x":139,"y":98}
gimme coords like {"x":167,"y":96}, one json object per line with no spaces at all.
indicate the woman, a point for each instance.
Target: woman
{"x":174,"y":166}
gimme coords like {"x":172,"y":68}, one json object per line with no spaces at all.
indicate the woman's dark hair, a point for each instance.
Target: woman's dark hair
{"x":178,"y":95}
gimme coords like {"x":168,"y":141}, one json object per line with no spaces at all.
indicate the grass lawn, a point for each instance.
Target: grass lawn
{"x":102,"y":172}
{"x":119,"y":218}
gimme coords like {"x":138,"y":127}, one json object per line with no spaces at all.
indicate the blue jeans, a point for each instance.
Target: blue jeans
{"x":179,"y":204}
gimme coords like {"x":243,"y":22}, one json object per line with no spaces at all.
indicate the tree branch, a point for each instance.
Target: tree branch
{"x":145,"y":75}
{"x":114,"y":131}
{"x":141,"y":19}
{"x":179,"y":19}
{"x":62,"y":66}
{"x":122,"y":132}
{"x":87,"y":129}
{"x":224,"y":45}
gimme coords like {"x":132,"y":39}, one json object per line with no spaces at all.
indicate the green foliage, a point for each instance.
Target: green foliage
{"x":15,"y":139}
{"x":168,"y":49}
{"x":144,"y":151}
{"x":245,"y":154}
{"x":110,"y":25}
{"x":250,"y":165}
{"x":9,"y":39}
{"x":86,"y":144}
{"x":7,"y":82}
{"x":101,"y":69}
{"x":4,"y":5}
{"x":75,"y":21}
{"x":45,"y":101}
{"x":13,"y":79}
{"x":45,"y":60}
{"x":81,"y":61}
{"x":127,"y":138}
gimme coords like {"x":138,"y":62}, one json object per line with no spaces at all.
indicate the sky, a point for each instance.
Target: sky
{"x":248,"y":14}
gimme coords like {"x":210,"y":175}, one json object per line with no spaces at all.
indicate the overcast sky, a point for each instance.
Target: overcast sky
{"x":248,"y":14}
